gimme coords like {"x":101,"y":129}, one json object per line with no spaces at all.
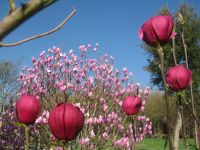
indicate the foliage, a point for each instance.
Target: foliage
{"x":191,"y":29}
{"x":8,"y":84}
{"x":192,"y":38}
{"x":157,"y":114}
{"x":11,"y":136}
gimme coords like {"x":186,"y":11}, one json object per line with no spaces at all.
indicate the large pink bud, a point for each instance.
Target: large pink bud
{"x":27,"y":109}
{"x":131,"y":105}
{"x":157,"y":30}
{"x":178,"y":77}
{"x":66,"y":121}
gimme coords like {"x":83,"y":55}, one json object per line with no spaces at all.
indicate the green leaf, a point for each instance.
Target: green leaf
{"x":19,"y":124}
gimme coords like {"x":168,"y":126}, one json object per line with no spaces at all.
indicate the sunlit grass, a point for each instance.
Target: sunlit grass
{"x":158,"y":144}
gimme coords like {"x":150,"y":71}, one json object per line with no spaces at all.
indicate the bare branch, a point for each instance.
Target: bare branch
{"x":20,"y":15}
{"x":12,"y":6}
{"x":40,"y":35}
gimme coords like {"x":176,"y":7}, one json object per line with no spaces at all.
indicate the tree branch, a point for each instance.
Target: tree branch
{"x":18,"y":16}
{"x":40,"y":35}
{"x":12,"y":6}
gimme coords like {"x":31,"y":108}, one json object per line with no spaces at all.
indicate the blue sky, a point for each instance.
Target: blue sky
{"x":112,"y":23}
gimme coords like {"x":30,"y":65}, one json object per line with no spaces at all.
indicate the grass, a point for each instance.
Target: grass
{"x":158,"y":144}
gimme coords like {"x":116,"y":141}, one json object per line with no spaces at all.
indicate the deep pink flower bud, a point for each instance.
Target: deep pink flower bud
{"x":178,"y":77}
{"x":157,"y":30}
{"x":131,"y":105}
{"x":66,"y":121}
{"x":27,"y":109}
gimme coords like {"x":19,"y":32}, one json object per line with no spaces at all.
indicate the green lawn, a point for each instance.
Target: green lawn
{"x":158,"y":144}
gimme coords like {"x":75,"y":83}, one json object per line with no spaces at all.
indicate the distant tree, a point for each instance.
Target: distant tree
{"x":157,"y":114}
{"x":8,"y":84}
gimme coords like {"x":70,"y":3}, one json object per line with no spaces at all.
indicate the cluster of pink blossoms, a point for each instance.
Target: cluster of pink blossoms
{"x":92,"y":84}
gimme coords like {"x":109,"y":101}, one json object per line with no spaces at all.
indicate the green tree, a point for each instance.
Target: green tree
{"x":188,"y":22}
{"x":192,"y":39}
{"x":157,"y":114}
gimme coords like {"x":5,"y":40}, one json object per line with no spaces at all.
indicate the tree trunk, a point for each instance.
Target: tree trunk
{"x":197,"y":135}
{"x":177,"y":128}
{"x":184,"y":128}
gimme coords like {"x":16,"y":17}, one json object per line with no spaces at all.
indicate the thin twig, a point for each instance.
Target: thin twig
{"x":180,"y":114}
{"x":40,"y":35}
{"x":183,"y":122}
{"x":191,"y":92}
{"x":133,"y":127}
{"x":185,"y":49}
{"x":174,"y":50}
{"x":161,"y":56}
{"x":194,"y":116}
{"x":184,"y":129}
{"x":27,"y":137}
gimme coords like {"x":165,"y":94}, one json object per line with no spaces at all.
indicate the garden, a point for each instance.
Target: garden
{"x":78,"y":98}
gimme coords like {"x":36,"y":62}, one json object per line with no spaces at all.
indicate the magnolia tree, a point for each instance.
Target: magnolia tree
{"x":70,"y":100}
{"x":157,"y":32}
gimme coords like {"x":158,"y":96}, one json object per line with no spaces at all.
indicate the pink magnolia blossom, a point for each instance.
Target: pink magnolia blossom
{"x":178,"y":77}
{"x":157,"y":30}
